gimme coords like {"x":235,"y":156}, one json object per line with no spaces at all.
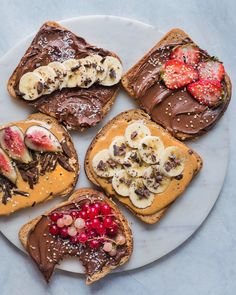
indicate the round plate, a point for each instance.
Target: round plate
{"x":130,"y":40}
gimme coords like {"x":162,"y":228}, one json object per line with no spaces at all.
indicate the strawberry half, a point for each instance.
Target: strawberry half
{"x":177,"y":74}
{"x":188,"y":53}
{"x":211,"y":70}
{"x":208,"y":92}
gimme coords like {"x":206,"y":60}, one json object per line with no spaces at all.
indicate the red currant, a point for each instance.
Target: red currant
{"x":83,"y":214}
{"x":91,"y":233}
{"x":94,"y":244}
{"x":97,"y":206}
{"x":113,"y":229}
{"x":55,"y":216}
{"x":74,"y":240}
{"x":82,"y":237}
{"x":85,"y":207}
{"x":105,"y":209}
{"x":64,"y":232}
{"x":74,"y":214}
{"x":101,"y":229}
{"x":88,"y":224}
{"x":54,"y":230}
{"x":107,"y":222}
{"x":93,"y":212}
{"x":95,"y":223}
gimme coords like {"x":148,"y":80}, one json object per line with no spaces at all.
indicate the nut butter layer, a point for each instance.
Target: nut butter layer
{"x":77,"y":108}
{"x":37,"y":162}
{"x":136,"y":161}
{"x":175,"y":109}
{"x":88,"y":226}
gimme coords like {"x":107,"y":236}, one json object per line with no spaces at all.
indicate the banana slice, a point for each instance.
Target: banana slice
{"x":121,"y":182}
{"x":172,"y":161}
{"x":114,"y":71}
{"x":118,"y":149}
{"x":98,"y":63}
{"x":90,"y":74}
{"x":104,"y":165}
{"x":61,"y":73}
{"x":31,"y":85}
{"x":139,"y":195}
{"x":150,"y":149}
{"x":135,"y":132}
{"x":154,"y":179}
{"x":49,"y":76}
{"x":134,"y":164}
{"x":75,"y":72}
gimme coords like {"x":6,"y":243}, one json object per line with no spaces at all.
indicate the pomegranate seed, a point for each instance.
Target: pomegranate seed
{"x":97,"y":206}
{"x":94,"y":244}
{"x":93,"y":212}
{"x":55,"y":216}
{"x":91,"y":233}
{"x":83,"y":214}
{"x":74,"y":214}
{"x":82,"y":238}
{"x":54,"y":230}
{"x":107,"y":222}
{"x":101,"y":229}
{"x":95,"y":223}
{"x":64,"y":232}
{"x":105,"y":209}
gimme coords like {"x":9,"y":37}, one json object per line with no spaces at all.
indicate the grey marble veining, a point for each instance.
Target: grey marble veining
{"x":205,"y":264}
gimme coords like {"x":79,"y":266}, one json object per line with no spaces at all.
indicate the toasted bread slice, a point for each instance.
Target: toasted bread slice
{"x":45,"y":176}
{"x":173,"y":38}
{"x":115,"y":127}
{"x":75,"y":198}
{"x":76,"y":108}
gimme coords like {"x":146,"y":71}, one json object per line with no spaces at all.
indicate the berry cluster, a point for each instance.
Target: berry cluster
{"x":94,"y":225}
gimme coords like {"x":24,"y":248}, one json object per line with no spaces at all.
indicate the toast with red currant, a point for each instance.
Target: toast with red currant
{"x":180,"y":86}
{"x":139,"y":163}
{"x":88,"y":226}
{"x":38,"y":162}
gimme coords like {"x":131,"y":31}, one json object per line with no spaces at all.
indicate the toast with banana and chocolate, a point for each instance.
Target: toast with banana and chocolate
{"x":138,"y":162}
{"x":88,"y":226}
{"x":180,"y":86}
{"x":63,"y":76}
{"x":38,"y":162}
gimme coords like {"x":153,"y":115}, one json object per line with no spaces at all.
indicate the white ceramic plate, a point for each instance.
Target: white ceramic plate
{"x":130,"y":40}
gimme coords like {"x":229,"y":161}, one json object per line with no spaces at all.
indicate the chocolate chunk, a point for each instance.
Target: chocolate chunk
{"x":133,"y":134}
{"x":153,"y":157}
{"x":63,"y":161}
{"x":179,"y":177}
{"x":111,"y":163}
{"x":142,"y":192}
{"x":112,"y":74}
{"x":21,"y":193}
{"x":66,"y":149}
{"x":102,"y":166}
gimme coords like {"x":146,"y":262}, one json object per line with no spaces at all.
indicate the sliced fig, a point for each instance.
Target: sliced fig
{"x":12,"y":142}
{"x":6,"y":167}
{"x":40,"y":139}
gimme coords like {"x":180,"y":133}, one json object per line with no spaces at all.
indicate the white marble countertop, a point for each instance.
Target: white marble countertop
{"x":205,"y":264}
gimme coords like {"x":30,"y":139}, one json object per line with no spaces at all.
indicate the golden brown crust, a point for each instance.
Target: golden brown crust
{"x":174,"y":35}
{"x":24,"y":231}
{"x":128,"y":116}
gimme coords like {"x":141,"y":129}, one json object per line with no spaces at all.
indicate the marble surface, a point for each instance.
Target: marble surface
{"x":205,"y":263}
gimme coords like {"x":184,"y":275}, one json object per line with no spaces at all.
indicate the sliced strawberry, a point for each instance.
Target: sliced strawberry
{"x":188,"y":53}
{"x":211,"y":70}
{"x":208,"y":92}
{"x":177,"y":74}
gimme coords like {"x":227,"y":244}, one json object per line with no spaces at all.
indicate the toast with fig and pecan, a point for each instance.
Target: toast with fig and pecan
{"x":88,"y":226}
{"x":180,"y":86}
{"x":38,"y":162}
{"x":138,"y":162}
{"x":63,"y":76}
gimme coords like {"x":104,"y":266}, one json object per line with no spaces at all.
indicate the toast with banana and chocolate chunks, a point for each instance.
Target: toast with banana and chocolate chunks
{"x":88,"y":226}
{"x":65,"y":77}
{"x":138,"y":162}
{"x":180,"y":86}
{"x":38,"y":162}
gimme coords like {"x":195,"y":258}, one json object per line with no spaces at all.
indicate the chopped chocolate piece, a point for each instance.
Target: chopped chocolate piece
{"x":75,"y":68}
{"x":126,"y":164}
{"x":63,"y":161}
{"x":190,"y":152}
{"x":153,"y":157}
{"x":21,"y":193}
{"x":142,"y":192}
{"x":133,"y":134}
{"x":102,"y":166}
{"x":66,"y":149}
{"x":111,"y":163}
{"x":179,"y":177}
{"x":112,"y":74}
{"x":119,"y":151}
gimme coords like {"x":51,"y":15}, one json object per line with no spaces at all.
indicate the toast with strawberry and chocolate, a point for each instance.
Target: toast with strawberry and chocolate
{"x":139,"y":163}
{"x":180,"y":86}
{"x":88,"y":226}
{"x":63,"y":76}
{"x":38,"y":162}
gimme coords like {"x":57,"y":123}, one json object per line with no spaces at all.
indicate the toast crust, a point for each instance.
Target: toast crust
{"x":12,"y":80}
{"x":43,"y":119}
{"x":129,"y":116}
{"x":25,"y":230}
{"x":173,"y":36}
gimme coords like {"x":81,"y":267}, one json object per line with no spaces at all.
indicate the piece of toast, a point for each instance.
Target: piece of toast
{"x":130,"y":116}
{"x":58,"y":182}
{"x":27,"y":228}
{"x":46,"y":104}
{"x":174,"y":37}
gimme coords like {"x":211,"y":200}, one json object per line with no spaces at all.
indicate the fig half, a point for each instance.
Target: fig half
{"x":6,"y":167}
